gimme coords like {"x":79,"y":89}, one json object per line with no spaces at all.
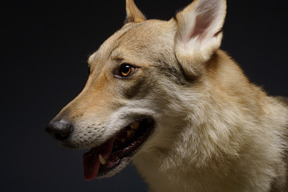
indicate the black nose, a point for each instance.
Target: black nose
{"x":60,"y":130}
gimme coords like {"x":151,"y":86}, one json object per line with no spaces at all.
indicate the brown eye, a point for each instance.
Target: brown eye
{"x":126,"y":70}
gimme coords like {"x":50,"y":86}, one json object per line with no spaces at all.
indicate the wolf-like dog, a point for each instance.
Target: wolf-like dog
{"x":162,"y":94}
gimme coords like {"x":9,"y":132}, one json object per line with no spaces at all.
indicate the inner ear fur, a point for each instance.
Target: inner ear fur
{"x":199,"y":33}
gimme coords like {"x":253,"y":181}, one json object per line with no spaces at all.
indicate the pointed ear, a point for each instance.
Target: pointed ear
{"x":133,"y":13}
{"x":199,"y":32}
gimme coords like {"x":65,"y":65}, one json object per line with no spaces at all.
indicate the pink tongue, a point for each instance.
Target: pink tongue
{"x":91,"y":160}
{"x":91,"y":165}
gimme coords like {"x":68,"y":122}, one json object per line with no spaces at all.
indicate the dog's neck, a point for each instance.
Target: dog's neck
{"x":183,"y":160}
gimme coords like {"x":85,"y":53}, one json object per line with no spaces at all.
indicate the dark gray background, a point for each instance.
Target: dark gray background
{"x":45,"y":46}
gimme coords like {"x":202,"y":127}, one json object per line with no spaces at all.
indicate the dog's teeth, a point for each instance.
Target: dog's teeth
{"x":130,"y":133}
{"x":135,"y":125}
{"x":102,"y":160}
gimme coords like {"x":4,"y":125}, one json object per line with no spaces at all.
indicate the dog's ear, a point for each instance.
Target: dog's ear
{"x":133,"y":13}
{"x":199,"y":32}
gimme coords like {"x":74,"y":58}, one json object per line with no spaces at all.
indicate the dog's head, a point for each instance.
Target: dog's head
{"x":133,"y":76}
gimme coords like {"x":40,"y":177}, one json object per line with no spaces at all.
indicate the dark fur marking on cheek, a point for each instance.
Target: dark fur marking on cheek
{"x":149,"y":81}
{"x":175,"y":75}
{"x":186,"y":77}
{"x":134,"y":90}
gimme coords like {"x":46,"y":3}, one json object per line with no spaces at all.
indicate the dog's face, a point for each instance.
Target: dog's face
{"x":122,"y":107}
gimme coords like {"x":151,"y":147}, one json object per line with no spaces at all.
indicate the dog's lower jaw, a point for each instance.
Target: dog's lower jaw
{"x":122,"y":164}
{"x":112,"y":156}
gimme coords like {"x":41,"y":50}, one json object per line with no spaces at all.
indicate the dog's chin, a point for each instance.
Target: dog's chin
{"x":112,"y":156}
{"x":104,"y":173}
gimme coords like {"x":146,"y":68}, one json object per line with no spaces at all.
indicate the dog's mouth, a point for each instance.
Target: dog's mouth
{"x":104,"y":159}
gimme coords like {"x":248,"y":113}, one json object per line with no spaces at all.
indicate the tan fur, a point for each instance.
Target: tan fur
{"x":133,"y":13}
{"x":215,"y":131}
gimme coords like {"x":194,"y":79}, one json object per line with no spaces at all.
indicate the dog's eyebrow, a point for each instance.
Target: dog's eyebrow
{"x":112,"y":55}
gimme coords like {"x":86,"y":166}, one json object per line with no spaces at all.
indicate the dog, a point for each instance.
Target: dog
{"x":163,"y":95}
